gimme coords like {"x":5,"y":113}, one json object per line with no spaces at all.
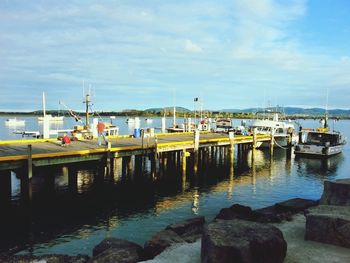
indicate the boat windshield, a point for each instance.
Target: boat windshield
{"x":321,"y":138}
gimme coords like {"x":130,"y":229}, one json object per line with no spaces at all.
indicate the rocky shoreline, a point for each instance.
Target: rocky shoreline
{"x":237,"y":234}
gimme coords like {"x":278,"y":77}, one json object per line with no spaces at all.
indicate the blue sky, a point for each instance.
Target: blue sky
{"x":143,"y":54}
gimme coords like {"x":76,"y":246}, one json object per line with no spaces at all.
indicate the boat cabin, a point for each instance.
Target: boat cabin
{"x":326,"y":139}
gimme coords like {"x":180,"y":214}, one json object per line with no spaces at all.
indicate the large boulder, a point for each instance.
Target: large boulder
{"x":295,"y":205}
{"x":236,"y":211}
{"x":242,"y":241}
{"x":336,"y":192}
{"x":52,"y":258}
{"x":190,"y":230}
{"x":270,"y":215}
{"x":329,"y":224}
{"x":160,"y":241}
{"x":116,"y":250}
{"x":113,"y":255}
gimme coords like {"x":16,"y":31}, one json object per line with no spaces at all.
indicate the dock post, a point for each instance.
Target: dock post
{"x":26,"y":186}
{"x":5,"y":188}
{"x":254,"y":144}
{"x":272,"y":142}
{"x":232,"y":147}
{"x":290,"y":144}
{"x":26,"y":177}
{"x":117,"y":168}
{"x":129,"y":166}
{"x":195,"y":152}
{"x":163,"y":124}
{"x":30,"y":162}
{"x":108,"y":159}
{"x":153,"y":158}
{"x":189,"y":121}
{"x":138,"y":164}
{"x":254,"y":137}
{"x":184,"y":159}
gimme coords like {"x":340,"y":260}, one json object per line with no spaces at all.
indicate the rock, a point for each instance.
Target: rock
{"x":45,"y":258}
{"x":116,"y":243}
{"x":236,"y":211}
{"x":160,"y":241}
{"x":117,"y":250}
{"x":295,"y":205}
{"x":336,"y":192}
{"x":190,"y":230}
{"x":242,"y":241}
{"x":270,"y":214}
{"x":113,"y":255}
{"x":329,"y":224}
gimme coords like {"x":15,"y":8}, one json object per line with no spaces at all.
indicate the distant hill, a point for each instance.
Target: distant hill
{"x":168,"y":109}
{"x":294,"y":111}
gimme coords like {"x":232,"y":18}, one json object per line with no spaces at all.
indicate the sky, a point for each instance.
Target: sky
{"x":143,"y":54}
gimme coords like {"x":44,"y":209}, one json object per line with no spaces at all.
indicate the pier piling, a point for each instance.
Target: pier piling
{"x":5,"y":187}
{"x":272,"y":142}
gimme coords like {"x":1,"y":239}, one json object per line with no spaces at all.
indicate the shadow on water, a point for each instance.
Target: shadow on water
{"x":76,"y":200}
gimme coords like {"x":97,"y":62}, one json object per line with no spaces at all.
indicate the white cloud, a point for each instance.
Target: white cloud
{"x":192,"y":47}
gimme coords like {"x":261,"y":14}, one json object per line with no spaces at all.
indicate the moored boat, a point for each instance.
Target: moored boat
{"x":268,"y":122}
{"x":49,"y":117}
{"x":14,"y":121}
{"x":320,"y":142}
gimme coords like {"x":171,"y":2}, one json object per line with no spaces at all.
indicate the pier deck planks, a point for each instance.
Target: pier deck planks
{"x":81,"y":150}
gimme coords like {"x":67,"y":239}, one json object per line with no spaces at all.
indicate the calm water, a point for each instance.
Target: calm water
{"x":60,"y":220}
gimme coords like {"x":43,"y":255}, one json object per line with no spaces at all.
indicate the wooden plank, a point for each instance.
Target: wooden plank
{"x":51,"y":152}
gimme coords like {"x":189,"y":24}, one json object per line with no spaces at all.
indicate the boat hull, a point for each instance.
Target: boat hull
{"x":315,"y":150}
{"x":282,"y":141}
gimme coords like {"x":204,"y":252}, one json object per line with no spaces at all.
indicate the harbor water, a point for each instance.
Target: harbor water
{"x":59,"y":220}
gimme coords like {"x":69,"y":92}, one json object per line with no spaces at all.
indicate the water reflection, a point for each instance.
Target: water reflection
{"x":316,"y":167}
{"x":81,"y":204}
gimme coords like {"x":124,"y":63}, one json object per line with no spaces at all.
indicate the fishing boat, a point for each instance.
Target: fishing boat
{"x":14,"y":122}
{"x":320,"y":142}
{"x":49,"y":117}
{"x":87,"y":130}
{"x":223,"y":125}
{"x":268,"y":122}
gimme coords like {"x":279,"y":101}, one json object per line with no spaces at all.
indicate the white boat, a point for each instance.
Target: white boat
{"x":14,"y":122}
{"x":148,"y":120}
{"x":272,"y":121}
{"x":320,"y":142}
{"x":132,"y":120}
{"x":49,"y":117}
{"x":223,"y":125}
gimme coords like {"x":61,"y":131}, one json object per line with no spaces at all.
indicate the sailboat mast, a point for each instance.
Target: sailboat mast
{"x":174,"y":110}
{"x":326,"y":115}
{"x":174,"y":116}
{"x":87,"y":110}
{"x":44,"y":105}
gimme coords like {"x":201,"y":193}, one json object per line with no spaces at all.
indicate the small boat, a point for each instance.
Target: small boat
{"x":148,"y":120}
{"x":49,"y":117}
{"x":223,"y":125}
{"x":320,"y":142}
{"x":14,"y":122}
{"x":267,"y":122}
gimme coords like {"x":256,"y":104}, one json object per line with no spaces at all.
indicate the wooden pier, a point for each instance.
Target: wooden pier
{"x":25,"y":155}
